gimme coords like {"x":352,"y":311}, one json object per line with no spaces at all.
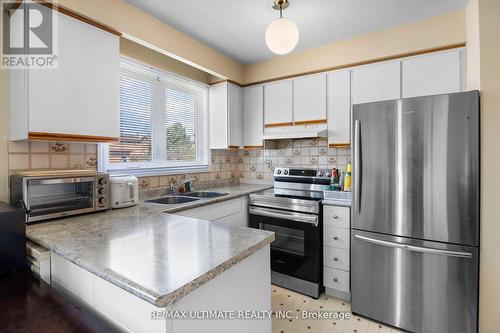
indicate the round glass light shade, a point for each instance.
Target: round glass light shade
{"x":282,"y":36}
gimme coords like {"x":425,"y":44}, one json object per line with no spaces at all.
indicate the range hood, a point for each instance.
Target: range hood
{"x":296,"y":132}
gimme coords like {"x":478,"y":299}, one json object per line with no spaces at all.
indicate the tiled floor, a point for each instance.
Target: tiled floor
{"x":286,"y":300}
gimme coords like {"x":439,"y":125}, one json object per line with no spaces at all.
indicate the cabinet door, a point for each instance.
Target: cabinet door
{"x":377,"y":82}
{"x":235,"y":110}
{"x":218,"y":115}
{"x":339,"y":107}
{"x":81,"y":96}
{"x":309,"y":99}
{"x":278,"y":107}
{"x":432,"y":74}
{"x":253,"y":116}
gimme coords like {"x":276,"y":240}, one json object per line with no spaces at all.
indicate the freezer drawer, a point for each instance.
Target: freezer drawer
{"x":420,"y":286}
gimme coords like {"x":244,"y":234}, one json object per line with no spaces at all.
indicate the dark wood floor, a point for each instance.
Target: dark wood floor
{"x":30,"y":305}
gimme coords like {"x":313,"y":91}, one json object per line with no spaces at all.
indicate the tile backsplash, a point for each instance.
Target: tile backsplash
{"x":258,"y":165}
{"x":227,"y":166}
{"x":223,"y":171}
{"x":45,"y":155}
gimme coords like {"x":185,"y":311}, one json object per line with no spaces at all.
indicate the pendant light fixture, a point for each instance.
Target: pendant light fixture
{"x":282,"y":34}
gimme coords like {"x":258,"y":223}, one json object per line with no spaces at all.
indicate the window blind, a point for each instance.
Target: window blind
{"x":163,"y":121}
{"x":135,"y":121}
{"x":181,"y":109}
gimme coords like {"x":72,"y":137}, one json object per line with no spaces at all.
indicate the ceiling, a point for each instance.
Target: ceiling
{"x":236,"y":28}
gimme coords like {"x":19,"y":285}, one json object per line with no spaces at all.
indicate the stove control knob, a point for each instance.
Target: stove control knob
{"x":320,"y":173}
{"x":278,"y":172}
{"x":328,"y":174}
{"x":102,"y":181}
{"x":102,"y":201}
{"x":285,"y":172}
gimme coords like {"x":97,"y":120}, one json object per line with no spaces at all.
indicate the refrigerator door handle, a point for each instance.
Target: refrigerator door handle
{"x":415,"y":248}
{"x":357,"y":164}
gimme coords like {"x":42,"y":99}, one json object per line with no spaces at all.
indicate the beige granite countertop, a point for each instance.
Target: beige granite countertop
{"x":157,"y":256}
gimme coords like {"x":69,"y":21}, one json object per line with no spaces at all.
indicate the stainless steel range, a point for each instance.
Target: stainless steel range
{"x":292,"y":210}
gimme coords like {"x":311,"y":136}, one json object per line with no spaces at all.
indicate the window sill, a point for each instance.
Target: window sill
{"x":150,"y":172}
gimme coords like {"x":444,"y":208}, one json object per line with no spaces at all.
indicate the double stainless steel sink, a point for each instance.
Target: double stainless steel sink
{"x":181,"y":198}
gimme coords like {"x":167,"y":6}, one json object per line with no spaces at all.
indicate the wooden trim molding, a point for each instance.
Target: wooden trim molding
{"x":75,"y":15}
{"x":233,"y":147}
{"x":310,"y":122}
{"x":222,"y":81}
{"x":253,"y":147}
{"x":339,"y":145}
{"x":278,"y":124}
{"x":360,"y":63}
{"x":70,"y":137}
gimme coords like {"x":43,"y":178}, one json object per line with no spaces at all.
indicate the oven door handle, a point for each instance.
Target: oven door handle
{"x":285,"y":215}
{"x":60,"y":181}
{"x":276,"y":205}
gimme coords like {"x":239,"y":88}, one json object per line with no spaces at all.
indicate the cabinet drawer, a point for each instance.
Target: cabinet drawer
{"x":336,"y":279}
{"x":336,"y":237}
{"x":334,"y":216}
{"x":336,"y":258}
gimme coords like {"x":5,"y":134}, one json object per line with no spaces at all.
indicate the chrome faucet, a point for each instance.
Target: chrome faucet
{"x":174,"y":188}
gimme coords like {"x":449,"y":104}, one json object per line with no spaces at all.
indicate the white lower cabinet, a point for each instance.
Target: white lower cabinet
{"x":234,"y":212}
{"x":72,"y":277}
{"x":130,"y":313}
{"x":336,"y":251}
{"x":125,"y":310}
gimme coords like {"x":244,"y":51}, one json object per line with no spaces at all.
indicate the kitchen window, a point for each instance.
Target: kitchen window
{"x":163,"y":123}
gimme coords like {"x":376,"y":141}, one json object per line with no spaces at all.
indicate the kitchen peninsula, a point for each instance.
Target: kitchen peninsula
{"x":131,"y":264}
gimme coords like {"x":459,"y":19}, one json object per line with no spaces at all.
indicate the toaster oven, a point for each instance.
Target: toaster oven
{"x":58,"y":194}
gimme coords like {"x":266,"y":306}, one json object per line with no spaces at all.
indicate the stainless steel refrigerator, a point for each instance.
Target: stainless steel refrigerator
{"x":415,"y":230}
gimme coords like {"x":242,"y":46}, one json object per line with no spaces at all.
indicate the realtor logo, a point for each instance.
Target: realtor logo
{"x":29,"y":36}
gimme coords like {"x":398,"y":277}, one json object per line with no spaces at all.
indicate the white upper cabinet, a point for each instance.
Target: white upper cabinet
{"x":79,"y":100}
{"x":436,"y":73}
{"x":235,"y":116}
{"x":225,"y":105}
{"x":253,"y":116}
{"x":376,"y":82}
{"x":278,"y":103}
{"x":309,"y":99}
{"x":339,"y":107}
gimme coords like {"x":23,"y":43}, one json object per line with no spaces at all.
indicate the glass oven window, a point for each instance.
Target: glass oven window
{"x":286,"y":239}
{"x":49,"y":198}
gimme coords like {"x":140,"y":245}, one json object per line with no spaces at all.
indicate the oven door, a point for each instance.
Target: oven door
{"x":55,"y":197}
{"x":296,"y":250}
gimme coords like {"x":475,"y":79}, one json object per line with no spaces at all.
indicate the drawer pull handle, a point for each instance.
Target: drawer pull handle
{"x":335,"y":217}
{"x":335,"y":259}
{"x":335,"y":238}
{"x":335,"y":279}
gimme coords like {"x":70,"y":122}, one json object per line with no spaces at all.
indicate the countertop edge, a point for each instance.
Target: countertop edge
{"x":169,"y":299}
{"x":333,"y":202}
